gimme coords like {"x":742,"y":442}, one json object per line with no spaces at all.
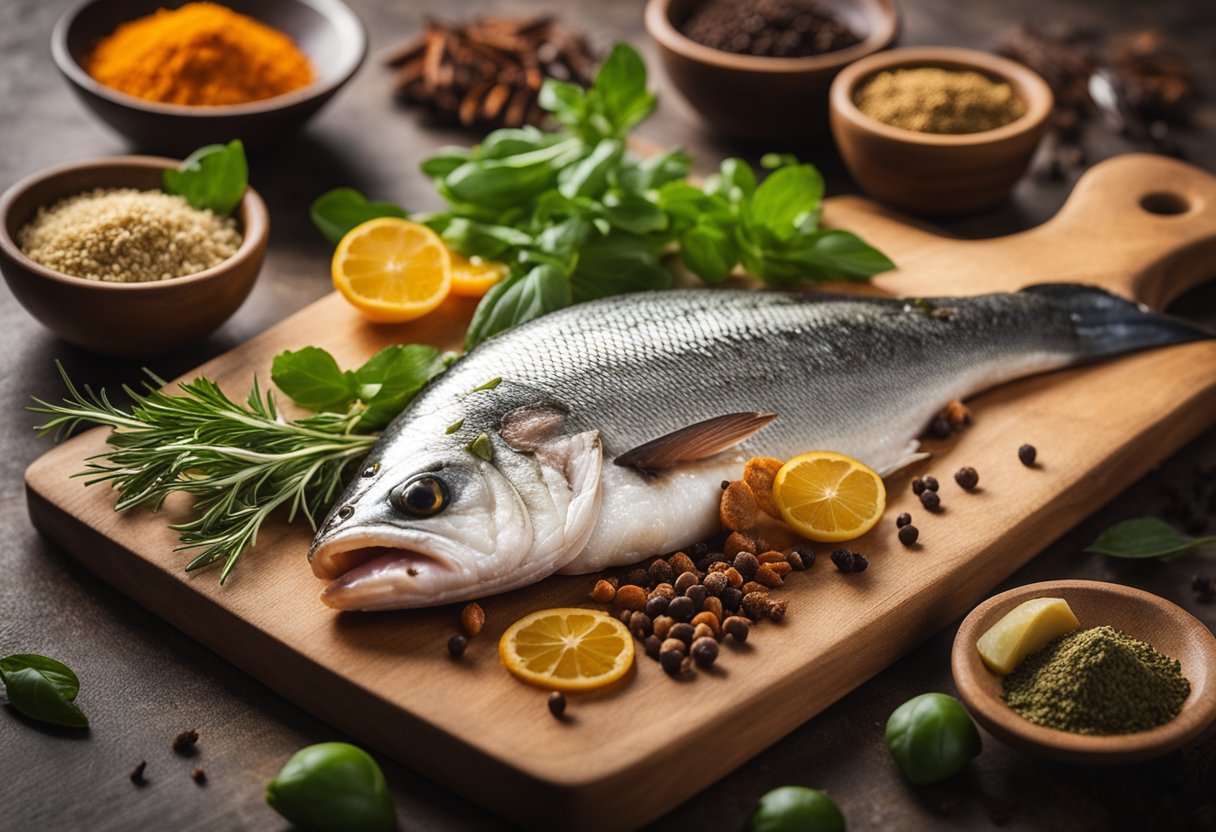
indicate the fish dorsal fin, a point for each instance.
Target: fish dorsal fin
{"x":694,"y":442}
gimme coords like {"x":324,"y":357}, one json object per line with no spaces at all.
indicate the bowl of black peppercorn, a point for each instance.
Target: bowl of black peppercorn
{"x":760,"y":70}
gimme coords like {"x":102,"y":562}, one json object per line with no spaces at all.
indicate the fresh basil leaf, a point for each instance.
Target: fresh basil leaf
{"x":828,"y":254}
{"x":511,"y":141}
{"x":735,"y":180}
{"x":445,"y":160}
{"x":785,"y":200}
{"x":633,"y":213}
{"x":479,"y":239}
{"x":499,"y":184}
{"x":310,"y":377}
{"x":564,"y":239}
{"x":336,"y":212}
{"x":1146,"y":537}
{"x":567,"y":102}
{"x":654,"y":171}
{"x":621,"y":85}
{"x":687,"y":205}
{"x":391,"y":378}
{"x":213,"y":178}
{"x":42,"y":689}
{"x":589,"y":176}
{"x":520,"y":298}
{"x":617,"y":264}
{"x":709,"y":251}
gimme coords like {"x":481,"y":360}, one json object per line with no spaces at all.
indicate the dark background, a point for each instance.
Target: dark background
{"x":142,"y":681}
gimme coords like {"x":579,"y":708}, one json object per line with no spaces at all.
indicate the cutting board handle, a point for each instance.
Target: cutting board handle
{"x":1141,"y":225}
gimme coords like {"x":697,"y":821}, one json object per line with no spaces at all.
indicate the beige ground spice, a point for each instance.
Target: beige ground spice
{"x":128,"y":236}
{"x":936,"y":100}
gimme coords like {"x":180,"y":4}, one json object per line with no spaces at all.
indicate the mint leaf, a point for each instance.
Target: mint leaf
{"x":391,"y":378}
{"x":42,"y":689}
{"x":1146,"y":537}
{"x":338,"y":211}
{"x":212,"y":178}
{"x":310,"y":377}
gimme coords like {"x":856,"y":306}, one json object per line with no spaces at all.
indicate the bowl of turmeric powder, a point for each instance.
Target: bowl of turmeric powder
{"x":170,"y":79}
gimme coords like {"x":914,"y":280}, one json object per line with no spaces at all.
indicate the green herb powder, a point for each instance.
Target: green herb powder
{"x":1097,"y":681}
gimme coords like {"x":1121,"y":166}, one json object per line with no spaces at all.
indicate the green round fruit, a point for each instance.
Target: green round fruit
{"x":932,"y":736}
{"x":796,"y":809}
{"x":333,"y":786}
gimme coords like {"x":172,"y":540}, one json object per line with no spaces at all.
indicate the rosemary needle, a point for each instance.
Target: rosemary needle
{"x":241,"y":462}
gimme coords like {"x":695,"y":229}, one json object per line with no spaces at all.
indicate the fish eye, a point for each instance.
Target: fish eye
{"x":422,"y":496}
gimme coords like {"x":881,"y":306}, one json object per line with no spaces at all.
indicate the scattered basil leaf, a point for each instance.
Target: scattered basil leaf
{"x":42,"y":689}
{"x":212,"y":178}
{"x":785,"y":200}
{"x":519,"y":299}
{"x":1146,"y":537}
{"x":392,"y":377}
{"x":338,"y":211}
{"x":310,"y":377}
{"x":617,"y":264}
{"x":709,"y":252}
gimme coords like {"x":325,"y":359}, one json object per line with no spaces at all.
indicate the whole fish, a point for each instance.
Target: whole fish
{"x":598,"y":436}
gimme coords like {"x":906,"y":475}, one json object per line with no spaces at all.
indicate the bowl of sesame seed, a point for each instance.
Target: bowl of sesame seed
{"x":110,"y":263}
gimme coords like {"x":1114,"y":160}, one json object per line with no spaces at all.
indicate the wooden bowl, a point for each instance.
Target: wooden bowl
{"x":125,"y":319}
{"x":1140,"y":614}
{"x":326,"y":31}
{"x":780,"y":101}
{"x":932,"y":173}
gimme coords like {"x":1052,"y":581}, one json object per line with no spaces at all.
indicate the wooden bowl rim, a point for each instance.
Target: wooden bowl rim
{"x":657,"y":18}
{"x":252,"y":209}
{"x":1028,"y":83}
{"x":1198,"y":712}
{"x":341,"y":16}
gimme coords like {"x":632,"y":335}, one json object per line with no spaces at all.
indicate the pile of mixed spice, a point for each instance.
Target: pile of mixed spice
{"x":768,"y":28}
{"x":937,"y":100}
{"x":1097,"y":681}
{"x":123,"y":235}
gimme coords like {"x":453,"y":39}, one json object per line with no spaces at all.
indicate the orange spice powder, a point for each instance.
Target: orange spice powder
{"x":200,"y":54}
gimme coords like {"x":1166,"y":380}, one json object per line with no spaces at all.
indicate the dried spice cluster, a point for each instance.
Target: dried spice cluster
{"x":488,"y":73}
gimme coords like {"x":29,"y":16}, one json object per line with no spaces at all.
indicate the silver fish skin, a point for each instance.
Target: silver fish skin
{"x":500,"y":472}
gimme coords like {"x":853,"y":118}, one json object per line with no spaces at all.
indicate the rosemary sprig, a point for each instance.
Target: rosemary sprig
{"x":241,"y":462}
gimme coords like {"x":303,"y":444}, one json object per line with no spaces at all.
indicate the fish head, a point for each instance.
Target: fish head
{"x":436,"y":519}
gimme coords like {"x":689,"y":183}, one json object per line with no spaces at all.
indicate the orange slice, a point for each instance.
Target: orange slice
{"x":567,"y":649}
{"x":392,"y":270}
{"x":473,"y":277}
{"x":829,"y":497}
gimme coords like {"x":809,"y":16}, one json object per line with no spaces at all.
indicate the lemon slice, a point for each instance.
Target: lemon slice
{"x":567,"y":649}
{"x":829,"y":497}
{"x":1025,"y":629}
{"x":392,"y":270}
{"x":472,"y":278}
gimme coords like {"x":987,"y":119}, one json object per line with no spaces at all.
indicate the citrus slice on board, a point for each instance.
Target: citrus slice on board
{"x":829,"y":497}
{"x":392,"y":270}
{"x":473,"y":277}
{"x":567,"y":649}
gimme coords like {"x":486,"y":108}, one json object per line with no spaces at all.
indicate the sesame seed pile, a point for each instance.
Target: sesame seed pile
{"x":123,"y":235}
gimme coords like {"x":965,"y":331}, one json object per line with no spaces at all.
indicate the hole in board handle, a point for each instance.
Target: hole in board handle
{"x":1165,"y":204}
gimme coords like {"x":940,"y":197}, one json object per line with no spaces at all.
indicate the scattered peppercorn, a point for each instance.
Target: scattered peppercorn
{"x":685,"y":581}
{"x":737,"y":628}
{"x":940,"y":428}
{"x":457,"y":644}
{"x":697,"y":594}
{"x":660,"y":572}
{"x":860,"y":563}
{"x":918,"y":486}
{"x":776,"y":609}
{"x":636,"y":576}
{"x":651,"y":646}
{"x":557,"y":704}
{"x":656,"y":606}
{"x":767,"y":576}
{"x":603,"y":592}
{"x":672,"y":655}
{"x":843,"y":559}
{"x":755,"y":604}
{"x":704,"y":652}
{"x":930,"y":483}
{"x":631,"y":597}
{"x":681,"y":608}
{"x":967,"y":478}
{"x":185,"y":742}
{"x":908,"y":535}
{"x":713,"y":606}
{"x":903,"y":520}
{"x":683,"y":631}
{"x":738,"y":510}
{"x":930,"y":500}
{"x":662,"y":625}
{"x":731,"y":597}
{"x":698,"y":550}
{"x":715,"y":582}
{"x":472,"y":618}
{"x":640,"y":625}
{"x":199,"y":776}
{"x":1027,"y":455}
{"x":801,"y":557}
{"x":137,"y":776}
{"x":746,"y":564}
{"x":725,"y":484}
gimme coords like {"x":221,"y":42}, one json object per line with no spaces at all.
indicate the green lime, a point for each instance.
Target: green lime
{"x":796,"y":809}
{"x":333,"y":786}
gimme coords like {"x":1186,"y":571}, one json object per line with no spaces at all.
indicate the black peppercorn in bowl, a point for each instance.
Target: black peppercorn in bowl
{"x":938,"y":174}
{"x":778,"y":101}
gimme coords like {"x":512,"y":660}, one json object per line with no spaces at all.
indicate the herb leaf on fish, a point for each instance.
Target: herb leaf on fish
{"x":1146,"y":537}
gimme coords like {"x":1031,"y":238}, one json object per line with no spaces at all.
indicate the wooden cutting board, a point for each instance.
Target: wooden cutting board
{"x":1141,"y":225}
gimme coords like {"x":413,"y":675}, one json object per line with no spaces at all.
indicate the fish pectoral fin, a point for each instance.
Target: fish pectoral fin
{"x":697,"y":441}
{"x":911,"y":455}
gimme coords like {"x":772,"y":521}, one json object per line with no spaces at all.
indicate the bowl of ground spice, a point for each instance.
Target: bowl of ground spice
{"x":170,"y":79}
{"x":1135,"y":681}
{"x":938,"y":131}
{"x":760,"y":70}
{"x":100,"y":255}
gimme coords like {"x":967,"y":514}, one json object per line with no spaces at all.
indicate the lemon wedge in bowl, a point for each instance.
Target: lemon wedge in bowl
{"x":1026,"y":629}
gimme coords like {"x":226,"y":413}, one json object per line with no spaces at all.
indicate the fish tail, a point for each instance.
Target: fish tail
{"x":1106,"y":324}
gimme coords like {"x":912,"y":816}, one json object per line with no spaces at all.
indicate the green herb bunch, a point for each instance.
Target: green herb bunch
{"x":577,"y":216}
{"x":243,"y":461}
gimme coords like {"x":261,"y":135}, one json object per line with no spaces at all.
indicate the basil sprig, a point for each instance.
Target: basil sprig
{"x":1146,"y":537}
{"x":42,"y":689}
{"x":212,"y":178}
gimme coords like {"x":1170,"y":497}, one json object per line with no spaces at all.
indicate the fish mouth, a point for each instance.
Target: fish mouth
{"x":366,"y":577}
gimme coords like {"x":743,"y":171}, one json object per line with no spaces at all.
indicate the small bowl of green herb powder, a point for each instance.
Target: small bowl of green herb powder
{"x":937,"y":130}
{"x":1135,"y":681}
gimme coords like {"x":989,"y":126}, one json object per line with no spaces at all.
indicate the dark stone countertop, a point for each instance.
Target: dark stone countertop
{"x":143,"y":682}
